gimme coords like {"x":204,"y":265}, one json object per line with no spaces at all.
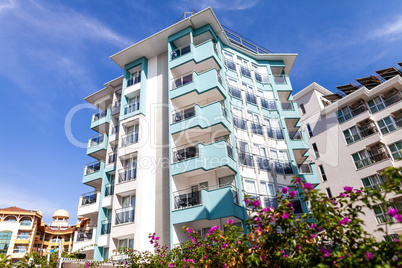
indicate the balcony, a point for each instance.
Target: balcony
{"x":287,"y":105}
{"x":134,"y":80}
{"x":101,"y":120}
{"x":201,"y":87}
{"x":125,"y":215}
{"x":93,"y":173}
{"x":194,"y":121}
{"x":132,"y":107}
{"x":262,"y":78}
{"x":19,"y":251}
{"x":180,"y":52}
{"x":245,"y":71}
{"x":280,"y":79}
{"x":304,"y":168}
{"x":189,"y":55}
{"x":126,"y":175}
{"x":206,"y":203}
{"x":375,"y":154}
{"x":97,"y":146}
{"x":283,"y":167}
{"x":191,"y":158}
{"x":89,"y":204}
{"x":358,"y":110}
{"x":84,"y":239}
{"x":392,"y":100}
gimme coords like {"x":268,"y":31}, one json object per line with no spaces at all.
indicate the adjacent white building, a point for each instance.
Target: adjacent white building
{"x":355,"y":134}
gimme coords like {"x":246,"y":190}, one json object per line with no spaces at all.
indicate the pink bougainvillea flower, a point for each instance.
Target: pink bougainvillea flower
{"x":298,"y":180}
{"x":344,"y":221}
{"x":290,"y":204}
{"x":292,"y":194}
{"x":308,"y":186}
{"x":285,"y":215}
{"x":246,"y":200}
{"x":369,"y":256}
{"x":229,"y":221}
{"x":285,"y":189}
{"x":392,"y":212}
{"x":256,"y":203}
{"x":170,"y":265}
{"x":348,"y":189}
{"x":398,"y":218}
{"x":189,"y":230}
{"x":269,"y":209}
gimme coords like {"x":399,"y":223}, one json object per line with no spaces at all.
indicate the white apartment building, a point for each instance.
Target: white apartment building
{"x":200,"y":117}
{"x":355,"y":134}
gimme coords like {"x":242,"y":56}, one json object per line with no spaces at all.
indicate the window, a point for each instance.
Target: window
{"x":5,"y":238}
{"x":228,"y":180}
{"x":229,"y":61}
{"x":373,"y":182}
{"x":26,"y":222}
{"x":250,"y":97}
{"x":361,"y":159}
{"x":310,"y":132}
{"x":267,"y":100}
{"x":387,"y":125}
{"x":281,"y":161}
{"x":250,"y":188}
{"x":329,"y":193}
{"x":255,"y":123}
{"x":129,"y":172}
{"x":343,"y":114}
{"x":391,"y":237}
{"x":268,"y":192}
{"x":126,"y":243}
{"x":262,"y":158}
{"x":133,"y":105}
{"x":135,"y":76}
{"x":302,"y":109}
{"x":131,"y":137}
{"x":274,"y":128}
{"x":260,"y":74}
{"x":11,"y":219}
{"x":245,"y":157}
{"x":126,"y":213}
{"x":238,"y":120}
{"x":376,"y":104}
{"x":244,"y":68}
{"x":395,"y":149}
{"x":234,"y":91}
{"x":316,"y":152}
{"x":323,"y":176}
{"x":380,"y":214}
{"x":352,"y":134}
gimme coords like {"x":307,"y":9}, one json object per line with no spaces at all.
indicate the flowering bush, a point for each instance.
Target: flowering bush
{"x":330,"y":235}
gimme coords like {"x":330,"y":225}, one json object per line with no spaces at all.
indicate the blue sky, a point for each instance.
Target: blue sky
{"x":54,"y":53}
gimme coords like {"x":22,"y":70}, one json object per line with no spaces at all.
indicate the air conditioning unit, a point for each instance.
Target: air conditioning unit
{"x":360,"y":102}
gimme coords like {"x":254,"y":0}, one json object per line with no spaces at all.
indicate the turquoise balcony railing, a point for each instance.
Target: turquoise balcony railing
{"x":199,"y":156}
{"x":93,"y":171}
{"x":206,"y":203}
{"x":101,"y":118}
{"x":197,"y":53}
{"x":200,"y":83}
{"x":97,"y":143}
{"x":201,"y":117}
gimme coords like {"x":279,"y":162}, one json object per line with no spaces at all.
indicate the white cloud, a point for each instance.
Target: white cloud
{"x":225,"y":4}
{"x":7,"y":5}
{"x":392,"y":30}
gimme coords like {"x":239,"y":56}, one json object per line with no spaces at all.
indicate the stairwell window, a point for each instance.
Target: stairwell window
{"x":323,"y":175}
{"x":329,"y":193}
{"x":309,"y":130}
{"x":395,"y":149}
{"x":316,"y":152}
{"x":302,"y":109}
